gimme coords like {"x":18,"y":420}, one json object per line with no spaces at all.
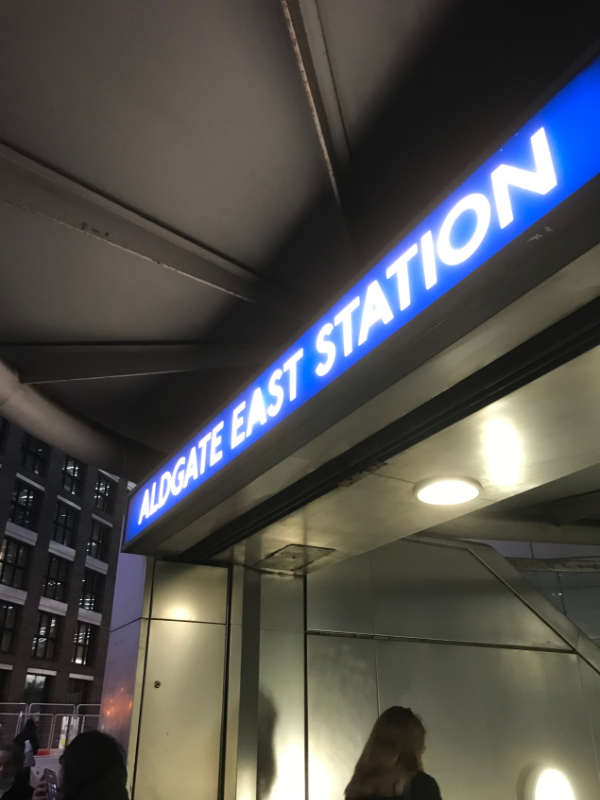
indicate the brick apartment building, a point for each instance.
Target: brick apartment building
{"x":61,"y":525}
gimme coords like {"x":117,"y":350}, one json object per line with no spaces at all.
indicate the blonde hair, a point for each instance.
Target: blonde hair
{"x":392,"y":756}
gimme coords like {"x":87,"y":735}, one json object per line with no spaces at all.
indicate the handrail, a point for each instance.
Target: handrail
{"x":87,"y":705}
{"x":55,"y":705}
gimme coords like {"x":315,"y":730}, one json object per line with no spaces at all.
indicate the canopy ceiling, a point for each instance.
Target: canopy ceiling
{"x":183,"y":185}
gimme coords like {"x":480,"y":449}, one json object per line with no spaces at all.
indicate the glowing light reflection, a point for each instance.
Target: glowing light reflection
{"x":503,"y":453}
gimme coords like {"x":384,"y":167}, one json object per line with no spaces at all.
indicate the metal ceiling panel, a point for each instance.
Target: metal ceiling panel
{"x":372,"y":47}
{"x":191,"y":113}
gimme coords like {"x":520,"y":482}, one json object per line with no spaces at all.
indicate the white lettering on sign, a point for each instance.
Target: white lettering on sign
{"x":540,"y":181}
{"x":449,"y":237}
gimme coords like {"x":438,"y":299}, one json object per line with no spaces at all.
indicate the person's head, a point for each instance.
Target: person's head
{"x":90,"y":758}
{"x":392,"y":755}
{"x":30,"y":727}
{"x":11,"y":764}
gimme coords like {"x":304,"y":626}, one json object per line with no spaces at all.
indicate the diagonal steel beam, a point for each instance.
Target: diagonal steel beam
{"x":54,"y":363}
{"x":28,"y":185}
{"x":555,"y":564}
{"x":310,"y":48}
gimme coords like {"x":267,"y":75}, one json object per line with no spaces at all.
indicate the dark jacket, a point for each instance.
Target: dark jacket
{"x":422,"y":787}
{"x":110,"y":788}
{"x":28,"y":735}
{"x":20,"y":790}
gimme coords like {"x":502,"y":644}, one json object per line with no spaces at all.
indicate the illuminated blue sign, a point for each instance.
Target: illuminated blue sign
{"x":552,"y":156}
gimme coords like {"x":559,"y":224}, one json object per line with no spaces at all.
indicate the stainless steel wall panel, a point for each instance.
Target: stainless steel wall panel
{"x":429,"y":591}
{"x":591,"y":689}
{"x":588,"y":651}
{"x":233,"y":683}
{"x":492,"y":714}
{"x":342,"y":707}
{"x":233,"y":712}
{"x":281,"y":716}
{"x":581,"y":596}
{"x":131,"y":599}
{"x":247,"y":745}
{"x":189,"y":593}
{"x":282,"y":603}
{"x":123,"y":679}
{"x":281,"y":729}
{"x":340,"y":598}
{"x":180,"y":735}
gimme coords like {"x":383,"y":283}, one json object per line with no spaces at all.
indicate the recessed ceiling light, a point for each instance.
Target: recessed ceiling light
{"x":447,"y":491}
{"x":550,"y":784}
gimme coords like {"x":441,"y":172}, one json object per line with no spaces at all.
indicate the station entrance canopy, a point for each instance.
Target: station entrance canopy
{"x":551,"y":157}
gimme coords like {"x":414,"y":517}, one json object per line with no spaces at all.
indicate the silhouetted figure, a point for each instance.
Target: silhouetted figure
{"x":391,"y":765}
{"x":14,"y":784}
{"x":29,"y":734}
{"x":266,"y":763}
{"x":93,"y":768}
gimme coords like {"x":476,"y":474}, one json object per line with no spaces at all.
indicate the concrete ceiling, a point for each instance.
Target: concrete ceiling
{"x":166,"y":182}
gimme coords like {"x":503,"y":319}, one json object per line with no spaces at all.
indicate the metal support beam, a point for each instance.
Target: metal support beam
{"x":53,"y":363}
{"x":305,"y":30}
{"x":39,"y":190}
{"x":556,"y":564}
{"x":485,"y":527}
{"x":574,"y":509}
{"x":63,"y":428}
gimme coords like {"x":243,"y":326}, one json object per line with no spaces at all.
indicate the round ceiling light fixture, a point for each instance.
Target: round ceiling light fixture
{"x":550,"y":784}
{"x":447,"y":491}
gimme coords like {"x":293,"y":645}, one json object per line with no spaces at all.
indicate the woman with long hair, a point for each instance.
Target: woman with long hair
{"x":391,"y":765}
{"x":93,"y":768}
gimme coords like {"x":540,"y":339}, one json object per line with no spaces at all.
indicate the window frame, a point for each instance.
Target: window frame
{"x":56,"y":587}
{"x":73,"y":483}
{"x":47,"y":683}
{"x":105,"y":493}
{"x":16,"y":567}
{"x":29,"y":514}
{"x":98,"y":548}
{"x":62,"y":532}
{"x":84,"y":644}
{"x":91,"y":598}
{"x":4,"y":428}
{"x":9,"y":613}
{"x":35,"y":455}
{"x":47,"y":642}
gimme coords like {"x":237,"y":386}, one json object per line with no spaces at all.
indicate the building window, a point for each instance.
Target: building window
{"x":91,"y":595}
{"x":3,"y":433}
{"x":78,"y":690}
{"x":73,"y":475}
{"x":105,"y":493}
{"x":98,"y":542}
{"x":56,"y":580}
{"x":36,"y":455}
{"x":37,"y":689}
{"x":26,"y":504}
{"x":44,"y":641}
{"x":13,"y":563}
{"x":66,"y":522}
{"x":85,"y":639}
{"x":8,"y":625}
{"x":4,"y":673}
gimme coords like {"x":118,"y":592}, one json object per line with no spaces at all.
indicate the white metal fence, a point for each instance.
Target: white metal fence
{"x":57,"y":723}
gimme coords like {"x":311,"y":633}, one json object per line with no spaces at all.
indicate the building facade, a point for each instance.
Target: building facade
{"x":61,"y":525}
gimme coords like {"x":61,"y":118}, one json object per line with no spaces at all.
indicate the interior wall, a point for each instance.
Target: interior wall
{"x":499,"y":686}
